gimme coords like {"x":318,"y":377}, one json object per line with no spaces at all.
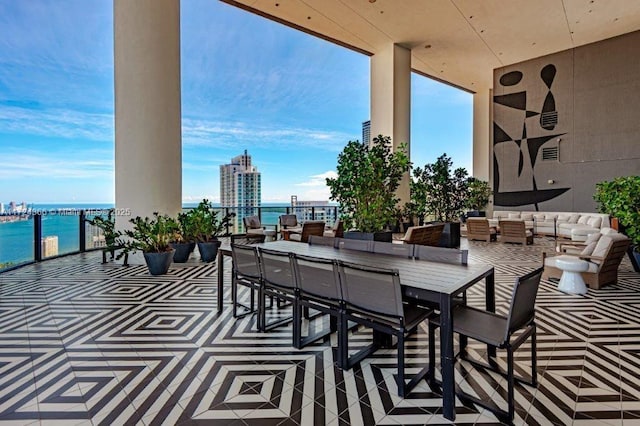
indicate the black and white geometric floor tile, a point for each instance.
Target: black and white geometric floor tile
{"x":86,"y":343}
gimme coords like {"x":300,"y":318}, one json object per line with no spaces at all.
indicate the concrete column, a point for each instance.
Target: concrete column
{"x":148,"y":137}
{"x":391,"y":100}
{"x":482,"y":134}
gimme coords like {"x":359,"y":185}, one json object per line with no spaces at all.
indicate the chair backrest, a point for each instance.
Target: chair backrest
{"x":375,"y":290}
{"x":245,"y":261}
{"x":288,"y":220}
{"x":277,"y":268}
{"x":614,"y":253}
{"x":427,"y":235}
{"x":351,"y":244}
{"x":317,"y":240}
{"x":402,"y":250}
{"x":523,"y":300}
{"x":338,"y":228}
{"x":512,"y":228}
{"x":251,"y":222}
{"x":246,"y":239}
{"x":317,"y":277}
{"x":441,"y":254}
{"x":309,"y":228}
{"x":477,"y":226}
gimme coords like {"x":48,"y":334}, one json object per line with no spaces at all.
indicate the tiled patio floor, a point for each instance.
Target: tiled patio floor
{"x":85,"y":343}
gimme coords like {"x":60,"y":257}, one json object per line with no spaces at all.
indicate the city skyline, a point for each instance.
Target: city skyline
{"x":293,"y":100}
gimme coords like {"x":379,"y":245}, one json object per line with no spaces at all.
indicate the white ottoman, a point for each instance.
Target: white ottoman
{"x":269,"y":235}
{"x":581,"y":234}
{"x":571,"y":280}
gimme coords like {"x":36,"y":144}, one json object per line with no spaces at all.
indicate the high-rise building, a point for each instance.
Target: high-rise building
{"x":366,"y":132}
{"x":313,"y":210}
{"x":49,"y":246}
{"x":240,"y":187}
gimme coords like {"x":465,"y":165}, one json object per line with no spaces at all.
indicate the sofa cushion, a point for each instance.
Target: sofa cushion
{"x":514,"y":215}
{"x":550,"y":217}
{"x":583,"y":219}
{"x":593,"y":238}
{"x":574,"y":218}
{"x":563,"y":217}
{"x":526,"y":216}
{"x":588,"y":250}
{"x":538,"y":217}
{"x":594,"y":221}
{"x":602,"y":247}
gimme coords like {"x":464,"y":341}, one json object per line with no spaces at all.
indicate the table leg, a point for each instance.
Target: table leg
{"x":490,"y":295}
{"x":220,"y":280}
{"x":447,"y":360}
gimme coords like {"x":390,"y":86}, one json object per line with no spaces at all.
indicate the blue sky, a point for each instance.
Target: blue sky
{"x":292,"y":100}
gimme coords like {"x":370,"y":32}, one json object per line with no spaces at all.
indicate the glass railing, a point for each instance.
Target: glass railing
{"x":46,"y":234}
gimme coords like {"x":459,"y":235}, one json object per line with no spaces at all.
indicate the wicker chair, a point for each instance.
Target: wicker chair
{"x":514,"y":231}
{"x":479,"y":229}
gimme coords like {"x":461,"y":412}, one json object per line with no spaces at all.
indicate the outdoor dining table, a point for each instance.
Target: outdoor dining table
{"x":422,"y":281}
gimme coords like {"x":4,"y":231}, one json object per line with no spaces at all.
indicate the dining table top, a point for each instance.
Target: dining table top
{"x":438,"y":277}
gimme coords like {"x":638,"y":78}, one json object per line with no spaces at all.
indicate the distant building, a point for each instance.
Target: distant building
{"x":49,"y":246}
{"x":1,"y":208}
{"x":313,"y":210}
{"x":366,"y":132}
{"x":240,"y":186}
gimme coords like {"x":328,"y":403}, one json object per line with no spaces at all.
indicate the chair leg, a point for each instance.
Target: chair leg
{"x":262,"y":301}
{"x":234,"y":291}
{"x":297,"y":325}
{"x":343,"y":343}
{"x":534,"y":355}
{"x":401,"y":382}
{"x":431,"y":375}
{"x":510,"y":384}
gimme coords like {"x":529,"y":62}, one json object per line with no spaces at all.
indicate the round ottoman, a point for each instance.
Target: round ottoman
{"x":581,"y":234}
{"x":571,"y":280}
{"x":269,"y":235}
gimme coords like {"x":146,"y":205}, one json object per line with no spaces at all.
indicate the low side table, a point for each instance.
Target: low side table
{"x":571,"y":281}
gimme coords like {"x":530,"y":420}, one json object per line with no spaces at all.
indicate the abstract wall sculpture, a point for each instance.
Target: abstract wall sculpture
{"x":522,"y":125}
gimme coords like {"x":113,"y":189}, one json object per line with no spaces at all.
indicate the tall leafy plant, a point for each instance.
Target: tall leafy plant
{"x":365,"y":188}
{"x":149,"y":235}
{"x":478,"y":194}
{"x":620,"y":198}
{"x":108,"y":227}
{"x":440,"y":189}
{"x":206,"y":226}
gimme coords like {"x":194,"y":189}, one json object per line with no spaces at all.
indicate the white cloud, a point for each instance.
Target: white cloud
{"x":31,"y":165}
{"x":319,"y":180}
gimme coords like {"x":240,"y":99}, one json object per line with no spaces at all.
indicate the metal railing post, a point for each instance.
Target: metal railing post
{"x":83,"y":233}
{"x":313,"y":212}
{"x":226,"y":213}
{"x":37,"y":237}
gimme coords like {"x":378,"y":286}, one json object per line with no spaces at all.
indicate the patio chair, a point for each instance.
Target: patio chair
{"x":336,"y":231}
{"x":312,"y":227}
{"x":426,"y":235}
{"x":316,"y":240}
{"x":402,"y":250}
{"x":247,"y":239}
{"x":245,"y":272}
{"x":479,"y":229}
{"x":289,"y":221}
{"x":373,"y":298}
{"x":252,"y":225}
{"x":318,"y":286}
{"x":497,"y":330}
{"x":603,"y":256}
{"x":514,"y":231}
{"x":351,"y":244}
{"x":278,"y":281}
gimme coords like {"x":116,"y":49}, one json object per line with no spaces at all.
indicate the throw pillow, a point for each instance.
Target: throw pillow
{"x":563,"y":217}
{"x":538,"y":217}
{"x":514,"y":215}
{"x":526,"y":216}
{"x":583,"y":220}
{"x":588,"y":250}
{"x":594,"y":221}
{"x":574,"y":218}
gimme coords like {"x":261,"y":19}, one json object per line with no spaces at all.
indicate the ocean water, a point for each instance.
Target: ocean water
{"x":16,"y":238}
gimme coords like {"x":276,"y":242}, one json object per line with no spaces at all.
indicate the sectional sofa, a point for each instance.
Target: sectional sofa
{"x":576,"y":226}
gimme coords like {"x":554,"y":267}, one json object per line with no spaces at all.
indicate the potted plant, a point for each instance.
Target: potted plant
{"x":151,"y":236}
{"x":184,"y":239}
{"x":207,"y":227}
{"x":445,"y":194}
{"x":108,"y":227}
{"x":620,"y":198}
{"x":368,"y":177}
{"x":478,"y":197}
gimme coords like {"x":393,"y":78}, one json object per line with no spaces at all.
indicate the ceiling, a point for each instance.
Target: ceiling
{"x":456,"y":41}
